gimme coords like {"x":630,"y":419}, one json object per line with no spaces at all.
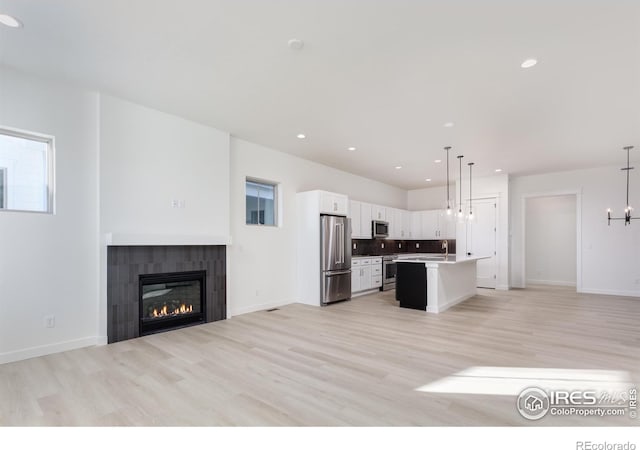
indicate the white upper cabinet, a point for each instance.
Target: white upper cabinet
{"x":395,"y":217}
{"x":365,"y":220}
{"x":416,"y":225}
{"x":389,"y":216}
{"x":360,"y":214}
{"x":406,"y":224}
{"x":429,"y":224}
{"x":446,"y":225}
{"x":398,"y":224}
{"x":355,"y":215}
{"x":378,"y":212}
{"x":336,"y":204}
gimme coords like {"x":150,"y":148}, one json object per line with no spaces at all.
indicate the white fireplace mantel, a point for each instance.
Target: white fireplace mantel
{"x":132,"y":239}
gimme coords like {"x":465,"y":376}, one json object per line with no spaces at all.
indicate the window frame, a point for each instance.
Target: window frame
{"x":49,"y":172}
{"x":3,"y":196}
{"x":276,"y":202}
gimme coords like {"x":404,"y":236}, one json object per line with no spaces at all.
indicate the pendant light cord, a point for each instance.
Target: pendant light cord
{"x":628,"y":169}
{"x":460,"y":204}
{"x":470,"y":186}
{"x":448,"y":196}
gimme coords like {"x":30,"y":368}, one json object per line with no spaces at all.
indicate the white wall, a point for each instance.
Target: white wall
{"x":430,"y":198}
{"x":49,"y":263}
{"x":550,"y":230}
{"x":148,"y":159}
{"x":491,"y":187}
{"x":610,"y":261}
{"x":263,"y":259}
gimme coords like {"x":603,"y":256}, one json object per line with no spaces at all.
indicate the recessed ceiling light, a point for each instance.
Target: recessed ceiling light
{"x":301,"y":136}
{"x":438,"y":161}
{"x":295,"y":44}
{"x":398,"y":167}
{"x":529,"y":63}
{"x":352,"y":149}
{"x":498,"y":170}
{"x":448,"y":125}
{"x":428,"y":179}
{"x":9,"y":21}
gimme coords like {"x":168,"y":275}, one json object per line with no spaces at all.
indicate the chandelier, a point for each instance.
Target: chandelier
{"x":628,"y":209}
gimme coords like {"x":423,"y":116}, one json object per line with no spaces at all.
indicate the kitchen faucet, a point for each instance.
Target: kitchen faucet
{"x":445,"y":247}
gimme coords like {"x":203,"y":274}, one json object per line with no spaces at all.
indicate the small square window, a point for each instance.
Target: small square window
{"x":261,"y":203}
{"x":26,"y":172}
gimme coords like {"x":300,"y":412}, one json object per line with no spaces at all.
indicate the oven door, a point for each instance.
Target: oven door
{"x":388,"y":275}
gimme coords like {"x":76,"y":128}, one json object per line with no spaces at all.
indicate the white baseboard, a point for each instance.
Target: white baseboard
{"x":367,"y":292}
{"x":442,"y":308}
{"x":258,"y":307}
{"x":611,"y":292}
{"x":553,"y":283}
{"x":42,"y":350}
{"x":502,"y":287}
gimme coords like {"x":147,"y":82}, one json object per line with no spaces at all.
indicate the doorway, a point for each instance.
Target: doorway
{"x":482,"y":241}
{"x":550,"y":240}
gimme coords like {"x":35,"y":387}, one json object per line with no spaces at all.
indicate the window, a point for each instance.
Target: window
{"x":261,"y":202}
{"x":3,"y":190}
{"x":26,"y":171}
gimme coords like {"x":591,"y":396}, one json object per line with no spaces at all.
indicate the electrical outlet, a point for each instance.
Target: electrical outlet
{"x":50,"y":321}
{"x":181,"y":204}
{"x":399,"y":244}
{"x":417,"y":244}
{"x":354,"y":245}
{"x":382,"y":245}
{"x":174,"y":203}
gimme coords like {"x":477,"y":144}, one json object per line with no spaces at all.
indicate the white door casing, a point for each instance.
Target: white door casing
{"x":482,"y":240}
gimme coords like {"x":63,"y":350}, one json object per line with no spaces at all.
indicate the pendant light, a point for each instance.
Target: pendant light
{"x":448,"y":197}
{"x":470,"y":193}
{"x":627,"y":210}
{"x":460,"y":213}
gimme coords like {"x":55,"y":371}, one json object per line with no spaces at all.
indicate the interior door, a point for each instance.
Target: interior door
{"x":481,"y":241}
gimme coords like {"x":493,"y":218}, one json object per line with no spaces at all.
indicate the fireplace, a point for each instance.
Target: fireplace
{"x":127,"y":316}
{"x":171,"y":300}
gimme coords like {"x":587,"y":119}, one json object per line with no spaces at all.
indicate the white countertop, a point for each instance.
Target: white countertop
{"x":438,"y":258}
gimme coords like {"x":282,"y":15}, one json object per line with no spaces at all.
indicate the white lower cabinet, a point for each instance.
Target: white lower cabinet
{"x":366,"y":274}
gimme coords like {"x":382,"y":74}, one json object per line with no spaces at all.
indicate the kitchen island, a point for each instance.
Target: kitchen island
{"x":435,"y":282}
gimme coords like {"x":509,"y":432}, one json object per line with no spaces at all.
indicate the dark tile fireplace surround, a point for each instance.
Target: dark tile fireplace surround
{"x":374,"y":247}
{"x":195,"y":273}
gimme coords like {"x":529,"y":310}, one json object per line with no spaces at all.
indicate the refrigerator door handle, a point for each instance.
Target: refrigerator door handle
{"x":342,"y":243}
{"x":341,"y":272}
{"x":337,"y":243}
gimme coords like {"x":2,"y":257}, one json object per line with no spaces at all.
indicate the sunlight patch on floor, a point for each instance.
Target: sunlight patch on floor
{"x":512,"y":380}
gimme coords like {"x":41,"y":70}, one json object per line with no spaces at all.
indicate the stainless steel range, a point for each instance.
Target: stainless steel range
{"x":388,"y":272}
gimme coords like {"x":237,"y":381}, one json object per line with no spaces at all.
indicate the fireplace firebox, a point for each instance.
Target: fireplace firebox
{"x":171,"y":300}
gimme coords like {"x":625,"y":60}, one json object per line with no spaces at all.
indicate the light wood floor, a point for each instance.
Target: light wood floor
{"x":353,"y":363}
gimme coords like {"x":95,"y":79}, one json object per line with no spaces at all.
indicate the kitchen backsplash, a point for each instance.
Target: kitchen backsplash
{"x":376,"y":247}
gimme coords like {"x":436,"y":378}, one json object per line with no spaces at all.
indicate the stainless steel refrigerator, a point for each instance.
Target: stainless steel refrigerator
{"x":335,"y":258}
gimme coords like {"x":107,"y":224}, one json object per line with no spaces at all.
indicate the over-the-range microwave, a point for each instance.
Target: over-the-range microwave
{"x":379,"y":228}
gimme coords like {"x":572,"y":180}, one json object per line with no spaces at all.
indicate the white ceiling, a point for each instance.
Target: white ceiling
{"x":383,"y":76}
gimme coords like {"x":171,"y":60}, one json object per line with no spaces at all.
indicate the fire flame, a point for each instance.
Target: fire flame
{"x":164,"y":311}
